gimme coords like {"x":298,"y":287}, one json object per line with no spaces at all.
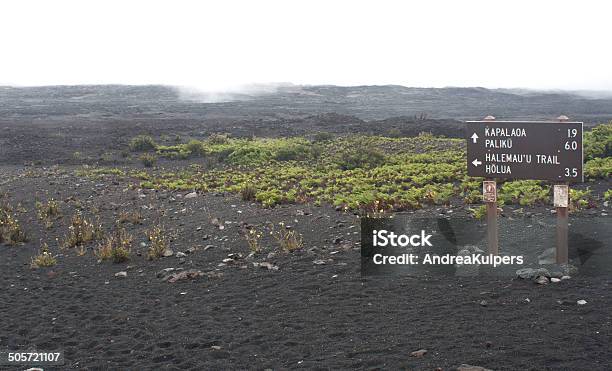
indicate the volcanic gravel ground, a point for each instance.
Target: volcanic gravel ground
{"x":303,"y":315}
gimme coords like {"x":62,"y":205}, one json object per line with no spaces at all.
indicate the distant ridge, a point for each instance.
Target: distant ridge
{"x":282,"y":101}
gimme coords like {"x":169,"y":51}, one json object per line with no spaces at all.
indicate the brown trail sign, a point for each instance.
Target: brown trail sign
{"x":525,"y":150}
{"x":546,"y":150}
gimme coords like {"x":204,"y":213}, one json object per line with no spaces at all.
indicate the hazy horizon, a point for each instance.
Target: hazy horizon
{"x":231,"y":45}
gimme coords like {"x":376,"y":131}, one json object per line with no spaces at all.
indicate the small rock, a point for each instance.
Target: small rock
{"x":541,"y":280}
{"x":215,"y":347}
{"x":565,"y":277}
{"x":191,"y":195}
{"x":418,"y":353}
{"x":121,"y":274}
{"x":555,"y":280}
{"x":267,"y":265}
{"x":465,"y":367}
{"x":483,"y":303}
{"x":556,"y":274}
{"x":530,"y":273}
{"x":207,"y":247}
{"x":143,"y":244}
{"x":569,"y":270}
{"x":184,"y":275}
{"x":581,"y":302}
{"x":168,"y":253}
{"x":319,"y":262}
{"x":180,"y":254}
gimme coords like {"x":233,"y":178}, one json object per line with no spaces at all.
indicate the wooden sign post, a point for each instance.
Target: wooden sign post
{"x":539,"y":150}
{"x":489,"y":194}
{"x":561,"y":203}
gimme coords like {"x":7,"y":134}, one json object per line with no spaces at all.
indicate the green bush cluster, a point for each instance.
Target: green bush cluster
{"x":142,"y":143}
{"x":371,"y":174}
{"x":598,"y":142}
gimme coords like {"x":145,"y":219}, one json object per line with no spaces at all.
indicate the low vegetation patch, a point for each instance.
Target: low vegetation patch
{"x":253,"y":238}
{"x":44,"y":258}
{"x":357,"y":173}
{"x":81,"y":231}
{"x":142,"y":143}
{"x":158,"y":242}
{"x":116,"y":247}
{"x":288,"y":239}
{"x":148,"y":159}
{"x":48,"y":212}
{"x":11,"y":232}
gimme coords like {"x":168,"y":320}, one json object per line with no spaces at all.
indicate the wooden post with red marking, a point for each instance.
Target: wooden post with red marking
{"x":489,"y":196}
{"x":561,"y":204}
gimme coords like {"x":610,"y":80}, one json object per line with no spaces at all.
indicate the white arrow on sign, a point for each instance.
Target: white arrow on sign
{"x":476,"y":162}
{"x":474,"y":137}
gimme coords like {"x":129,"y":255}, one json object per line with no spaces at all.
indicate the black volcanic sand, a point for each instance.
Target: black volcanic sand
{"x":303,"y":315}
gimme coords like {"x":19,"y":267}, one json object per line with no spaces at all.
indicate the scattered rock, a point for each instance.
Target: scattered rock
{"x":184,"y":275}
{"x":267,"y":265}
{"x":180,"y":254}
{"x":215,"y":347}
{"x":121,"y":274}
{"x":555,"y":280}
{"x":164,"y":272}
{"x":565,"y":277}
{"x":319,"y":262}
{"x":531,"y":273}
{"x":191,"y":195}
{"x":465,"y":367}
{"x":418,"y":353}
{"x":581,"y":302}
{"x":556,"y":274}
{"x":168,"y":253}
{"x":569,"y":270}
{"x":541,"y":280}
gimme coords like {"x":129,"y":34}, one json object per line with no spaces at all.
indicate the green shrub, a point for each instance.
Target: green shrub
{"x":269,"y":198}
{"x":142,"y":143}
{"x":608,"y":195}
{"x":298,"y":152}
{"x":195,"y":148}
{"x":598,"y":168}
{"x":148,"y":159}
{"x":579,"y":199}
{"x":360,"y":158}
{"x":250,"y":155}
{"x":480,"y":212}
{"x":598,"y":142}
{"x":524,"y":192}
{"x":217,"y":138}
{"x":322,"y":137}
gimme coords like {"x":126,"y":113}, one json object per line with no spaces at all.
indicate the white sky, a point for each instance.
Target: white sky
{"x":215,"y":45}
